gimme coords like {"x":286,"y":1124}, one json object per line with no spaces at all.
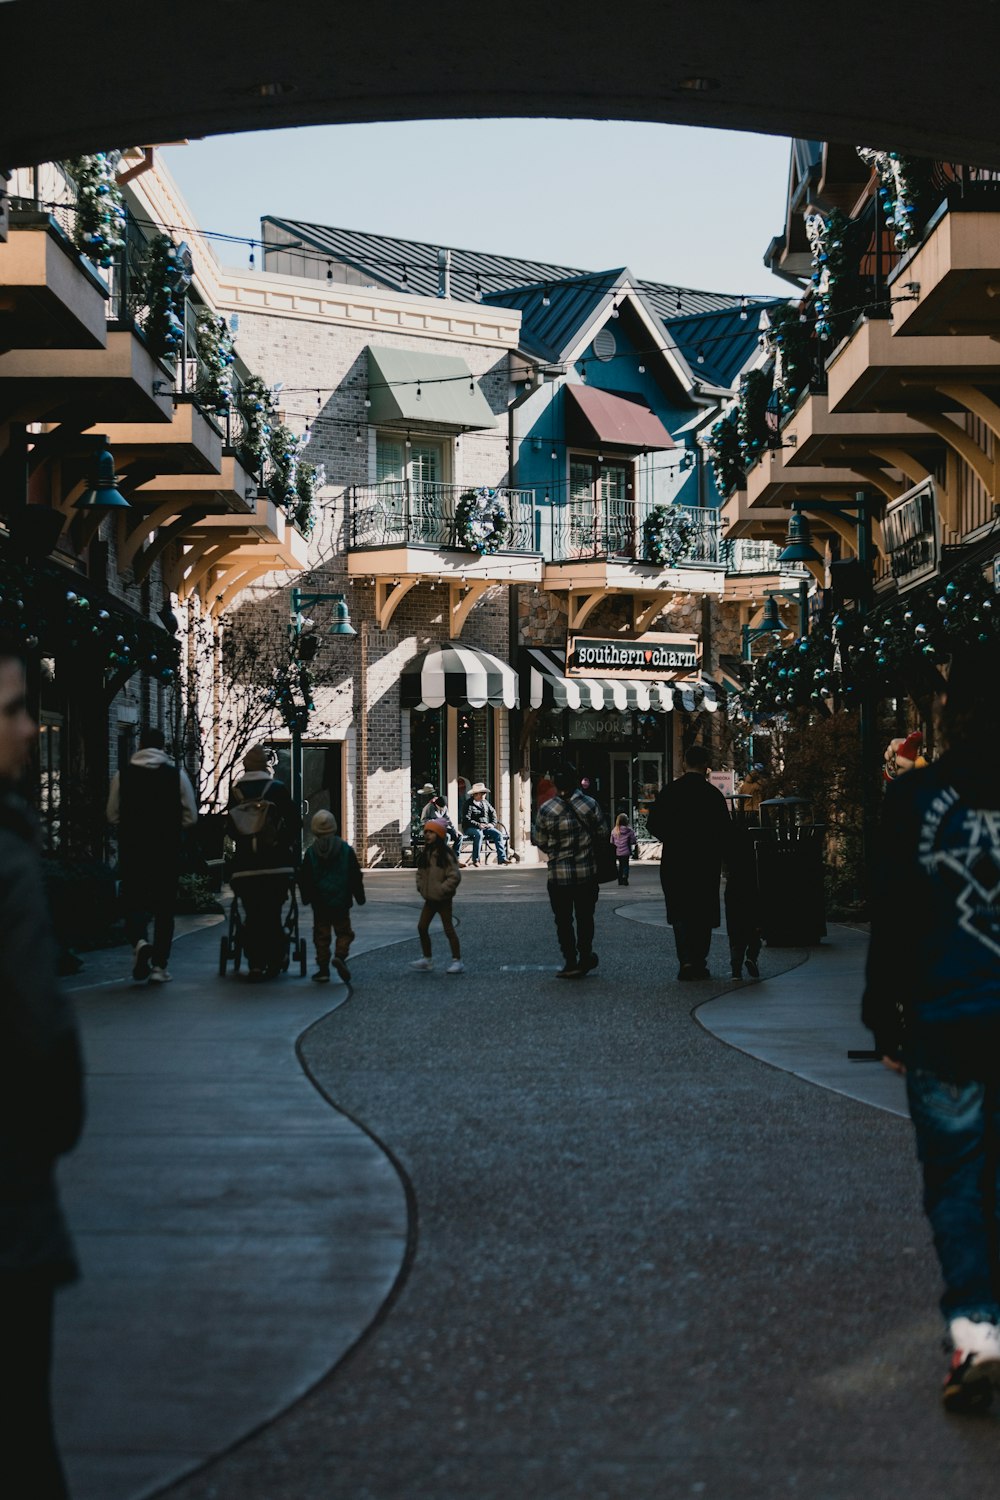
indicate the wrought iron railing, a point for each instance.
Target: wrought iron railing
{"x":746,"y":555}
{"x":589,"y":529}
{"x":400,"y":513}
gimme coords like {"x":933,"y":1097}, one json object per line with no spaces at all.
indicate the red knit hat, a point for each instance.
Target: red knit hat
{"x":439,"y":826}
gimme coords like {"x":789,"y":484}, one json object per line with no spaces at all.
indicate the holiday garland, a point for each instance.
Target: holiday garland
{"x":726,"y":454}
{"x":667,"y":534}
{"x":482,"y":521}
{"x":789,"y":336}
{"x":254,"y":402}
{"x":897,"y":646}
{"x":283,"y":458}
{"x":751,"y":421}
{"x":214,"y":383}
{"x":47,"y":617}
{"x":100,"y":212}
{"x":905,"y":184}
{"x":309,"y":478}
{"x":167,"y":281}
{"x":836,"y":279}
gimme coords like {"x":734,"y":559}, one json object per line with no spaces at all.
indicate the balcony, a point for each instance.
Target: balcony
{"x":950,"y":282}
{"x":588,"y":529}
{"x":874,"y":370}
{"x":406,"y":533}
{"x":225,"y":554}
{"x":120,"y":383}
{"x":50,"y":297}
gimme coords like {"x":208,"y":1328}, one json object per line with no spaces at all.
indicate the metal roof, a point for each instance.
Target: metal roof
{"x":385,"y":258}
{"x":717,"y":345}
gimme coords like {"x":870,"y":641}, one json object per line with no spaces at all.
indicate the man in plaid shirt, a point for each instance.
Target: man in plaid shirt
{"x":567,"y":830}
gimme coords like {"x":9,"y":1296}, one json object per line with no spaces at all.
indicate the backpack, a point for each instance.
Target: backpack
{"x":256,"y":822}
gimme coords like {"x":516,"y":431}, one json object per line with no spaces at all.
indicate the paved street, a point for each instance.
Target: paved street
{"x":614,"y":1238}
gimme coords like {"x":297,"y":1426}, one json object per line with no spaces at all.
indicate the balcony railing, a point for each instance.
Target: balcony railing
{"x":745,"y":555}
{"x":401,"y":513}
{"x":589,"y":530}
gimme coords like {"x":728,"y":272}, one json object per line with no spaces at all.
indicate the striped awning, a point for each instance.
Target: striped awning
{"x":461,"y":676}
{"x":545,"y":685}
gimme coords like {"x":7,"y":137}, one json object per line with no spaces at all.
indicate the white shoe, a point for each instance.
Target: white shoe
{"x":981,"y":1340}
{"x":975,"y":1366}
{"x":159,"y":976}
{"x":455,"y":967}
{"x":422,"y":963}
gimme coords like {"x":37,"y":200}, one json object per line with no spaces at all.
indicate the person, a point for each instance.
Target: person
{"x":438,"y":878}
{"x":439,"y":812}
{"x":150,"y":803}
{"x":932,"y":1002}
{"x":427,"y":811}
{"x":41,"y":1117}
{"x":330,"y":881}
{"x":263,"y":865}
{"x":480,"y":821}
{"x":626,"y":844}
{"x":567,"y":829}
{"x":742,"y":898}
{"x":691,"y":819}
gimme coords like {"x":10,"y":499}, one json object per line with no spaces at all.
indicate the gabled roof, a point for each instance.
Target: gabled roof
{"x":384,"y":258}
{"x":549,"y":332}
{"x":725,"y":340}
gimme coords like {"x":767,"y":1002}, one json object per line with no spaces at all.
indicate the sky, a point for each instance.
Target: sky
{"x":691,"y":207}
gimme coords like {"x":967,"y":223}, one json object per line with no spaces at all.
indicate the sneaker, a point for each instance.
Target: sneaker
{"x":974,"y":1368}
{"x":422,"y":963}
{"x":342,"y":969}
{"x":143,"y":960}
{"x":588,"y":963}
{"x":737,"y":971}
{"x":455,"y":967}
{"x":322,"y":975}
{"x":570,"y":971}
{"x":159,"y":976}
{"x":752,"y":968}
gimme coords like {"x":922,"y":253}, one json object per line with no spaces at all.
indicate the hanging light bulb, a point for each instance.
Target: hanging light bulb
{"x":743,"y":310}
{"x":642,"y":368}
{"x":252,"y":262}
{"x":419,"y":391}
{"x":405,"y":278}
{"x":357,"y":435}
{"x":478,"y":290}
{"x":553,"y":455}
{"x":614,"y":308}
{"x":701,"y":356}
{"x":329,"y":270}
{"x":680,"y":305}
{"x":408,"y":443}
{"x":546,"y":299}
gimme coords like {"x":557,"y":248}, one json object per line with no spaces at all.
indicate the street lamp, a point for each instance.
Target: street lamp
{"x":771,"y":621}
{"x":298,"y":718}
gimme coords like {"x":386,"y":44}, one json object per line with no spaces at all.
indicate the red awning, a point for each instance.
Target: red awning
{"x":594,"y":416}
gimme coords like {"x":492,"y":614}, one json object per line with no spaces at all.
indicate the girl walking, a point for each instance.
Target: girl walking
{"x":438,"y":876}
{"x":626,"y":844}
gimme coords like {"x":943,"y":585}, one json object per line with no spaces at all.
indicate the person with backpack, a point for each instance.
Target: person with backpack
{"x":438,"y":878}
{"x":330,"y":880}
{"x":626,"y":844}
{"x":150,"y":803}
{"x":266,"y":830}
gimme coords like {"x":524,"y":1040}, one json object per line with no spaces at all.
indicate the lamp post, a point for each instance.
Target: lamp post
{"x":772,"y":623}
{"x":297,"y":717}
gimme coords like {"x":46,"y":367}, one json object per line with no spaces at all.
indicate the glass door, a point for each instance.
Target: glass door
{"x":635,"y":781}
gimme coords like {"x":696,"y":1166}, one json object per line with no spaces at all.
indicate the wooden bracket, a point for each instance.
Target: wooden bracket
{"x":644,"y":615}
{"x":131,"y":539}
{"x":460,"y":604}
{"x":965,"y":446}
{"x":238,"y":578}
{"x":171,"y":532}
{"x":389,"y":596}
{"x":582,"y":606}
{"x":210,"y":558}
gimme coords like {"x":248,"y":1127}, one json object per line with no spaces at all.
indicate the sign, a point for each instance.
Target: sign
{"x":912,"y":540}
{"x":724,"y":780}
{"x":653,"y":656}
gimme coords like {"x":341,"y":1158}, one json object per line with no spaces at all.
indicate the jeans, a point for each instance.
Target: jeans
{"x":137,"y":918}
{"x":623,"y":863}
{"x":567,"y":902}
{"x":958,"y":1129}
{"x":476,"y":834}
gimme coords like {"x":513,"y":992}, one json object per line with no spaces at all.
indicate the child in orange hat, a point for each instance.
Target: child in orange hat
{"x":438,"y":878}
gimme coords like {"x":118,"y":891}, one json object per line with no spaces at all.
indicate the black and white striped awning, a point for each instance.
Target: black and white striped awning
{"x":461,"y":676}
{"x":545,"y":685}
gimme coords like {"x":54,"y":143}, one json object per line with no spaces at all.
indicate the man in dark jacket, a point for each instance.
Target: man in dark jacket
{"x":932,"y":1001}
{"x":691,"y":819}
{"x":41,"y":1115}
{"x":150,"y":802}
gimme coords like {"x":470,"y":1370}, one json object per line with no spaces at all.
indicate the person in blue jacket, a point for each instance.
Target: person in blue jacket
{"x":932,"y":1001}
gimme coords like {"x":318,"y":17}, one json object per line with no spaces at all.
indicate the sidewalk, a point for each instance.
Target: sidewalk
{"x":239,"y":1235}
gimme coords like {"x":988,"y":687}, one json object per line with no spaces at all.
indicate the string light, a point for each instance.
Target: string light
{"x":546,"y":299}
{"x":614,"y":308}
{"x":329,"y":270}
{"x":406,"y":279}
{"x":701,"y":356}
{"x":743,"y":310}
{"x":642,"y":368}
{"x":478,"y":290}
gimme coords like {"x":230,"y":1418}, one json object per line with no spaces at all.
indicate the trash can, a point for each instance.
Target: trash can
{"x":789,"y":848}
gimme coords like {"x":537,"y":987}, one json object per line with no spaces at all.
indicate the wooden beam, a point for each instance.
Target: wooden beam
{"x":844,"y":528}
{"x":582,"y":606}
{"x":162,"y":540}
{"x":237,"y":579}
{"x":389,"y":595}
{"x":209,"y":559}
{"x":130,"y":540}
{"x":460,"y":604}
{"x":644,"y":615}
{"x":974,"y":401}
{"x":956,"y":437}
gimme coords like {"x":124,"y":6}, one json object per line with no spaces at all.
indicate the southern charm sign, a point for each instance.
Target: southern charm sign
{"x":656,"y":656}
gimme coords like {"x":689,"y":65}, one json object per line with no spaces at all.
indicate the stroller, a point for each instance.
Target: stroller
{"x":231,"y":946}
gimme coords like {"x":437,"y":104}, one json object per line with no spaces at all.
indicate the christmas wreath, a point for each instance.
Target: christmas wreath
{"x":482,"y":522}
{"x":667,"y":534}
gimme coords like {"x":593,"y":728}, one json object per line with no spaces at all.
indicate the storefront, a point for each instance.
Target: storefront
{"x":626,"y":736}
{"x":455,"y":701}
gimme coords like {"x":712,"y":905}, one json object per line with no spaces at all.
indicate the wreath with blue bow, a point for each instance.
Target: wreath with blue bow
{"x":482,"y":522}
{"x":667,"y":534}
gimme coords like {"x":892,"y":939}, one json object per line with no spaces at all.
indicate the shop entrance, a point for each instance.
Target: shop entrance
{"x":635,"y":781}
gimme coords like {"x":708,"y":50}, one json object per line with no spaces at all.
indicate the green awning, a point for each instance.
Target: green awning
{"x":405,"y":386}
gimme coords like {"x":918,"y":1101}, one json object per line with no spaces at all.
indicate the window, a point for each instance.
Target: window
{"x":602,"y":516}
{"x":423,"y":463}
{"x":411,"y":484}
